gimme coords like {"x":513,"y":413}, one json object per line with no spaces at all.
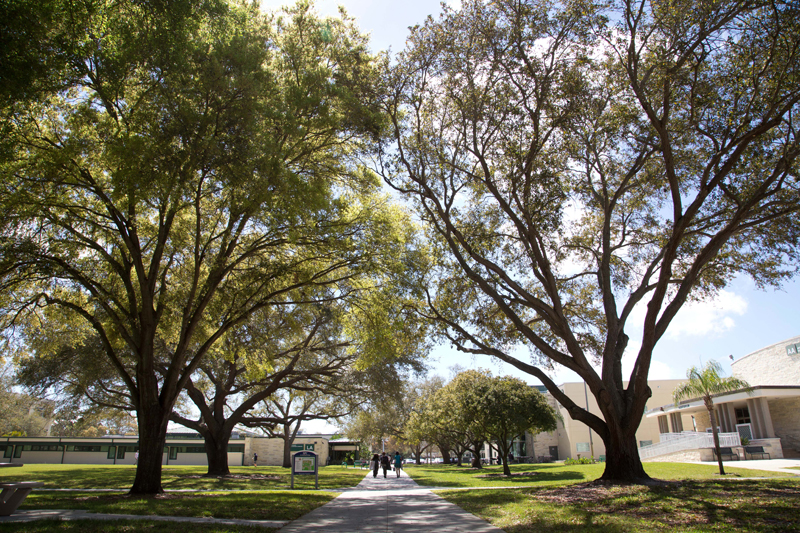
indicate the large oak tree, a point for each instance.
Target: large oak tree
{"x":574,"y":161}
{"x":193,"y":167}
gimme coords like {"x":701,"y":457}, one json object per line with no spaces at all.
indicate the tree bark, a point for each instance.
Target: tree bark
{"x":445,"y":454}
{"x":287,"y":450}
{"x":713,"y":421}
{"x":216,"y":445}
{"x":476,"y":454}
{"x":152,"y":439}
{"x":503,"y":449}
{"x":623,"y":463}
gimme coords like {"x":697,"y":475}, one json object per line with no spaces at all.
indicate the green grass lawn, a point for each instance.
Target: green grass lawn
{"x":556,"y":474}
{"x":722,"y":505}
{"x":180,"y":477}
{"x":258,"y":494}
{"x":273,"y":505}
{"x":126,"y":526}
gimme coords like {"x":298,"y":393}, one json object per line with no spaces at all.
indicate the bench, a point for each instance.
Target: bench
{"x":727,"y":451}
{"x":751,"y":450}
{"x":14,"y":494}
{"x":362,"y":464}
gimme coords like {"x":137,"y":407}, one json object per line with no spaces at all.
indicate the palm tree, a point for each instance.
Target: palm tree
{"x":706,"y":383}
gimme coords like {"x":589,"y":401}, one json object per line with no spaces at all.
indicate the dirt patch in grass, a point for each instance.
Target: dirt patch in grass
{"x":677,"y":503}
{"x":513,"y":474}
{"x":251,"y":477}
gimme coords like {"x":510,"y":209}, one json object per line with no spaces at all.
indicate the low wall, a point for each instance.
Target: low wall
{"x":771,"y":446}
{"x":684,"y":456}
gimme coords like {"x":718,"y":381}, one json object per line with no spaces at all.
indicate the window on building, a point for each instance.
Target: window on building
{"x":8,"y":451}
{"x":45,"y":447}
{"x":79,"y":448}
{"x":582,"y":447}
{"x":235,"y":448}
{"x":663,"y":425}
{"x":742,"y":415}
{"x":643,"y":443}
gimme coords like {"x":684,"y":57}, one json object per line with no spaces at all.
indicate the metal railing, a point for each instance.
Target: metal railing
{"x":687,"y":440}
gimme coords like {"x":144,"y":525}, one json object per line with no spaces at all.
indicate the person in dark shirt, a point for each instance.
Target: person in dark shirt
{"x":384,"y":463}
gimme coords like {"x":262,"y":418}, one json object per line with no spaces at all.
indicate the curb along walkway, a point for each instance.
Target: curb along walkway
{"x":389,"y":505}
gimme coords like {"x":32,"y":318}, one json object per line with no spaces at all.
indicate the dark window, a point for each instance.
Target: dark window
{"x":121,"y":452}
{"x":742,"y":415}
{"x":87,"y":448}
{"x":45,"y":447}
{"x":173,"y":453}
{"x":18,"y":451}
{"x":235,"y":448}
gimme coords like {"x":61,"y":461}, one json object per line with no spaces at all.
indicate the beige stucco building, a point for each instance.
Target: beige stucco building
{"x":573,"y":439}
{"x":768,"y":416}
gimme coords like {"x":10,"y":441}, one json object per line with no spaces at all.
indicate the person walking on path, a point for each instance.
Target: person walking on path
{"x":384,"y":463}
{"x":398,"y":463}
{"x":399,"y":505}
{"x":374,"y":464}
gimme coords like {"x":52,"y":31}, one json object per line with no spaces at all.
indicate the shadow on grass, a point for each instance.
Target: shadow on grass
{"x":173,"y":477}
{"x":251,"y":505}
{"x":763,"y":506}
{"x":528,"y":474}
{"x":125,"y":526}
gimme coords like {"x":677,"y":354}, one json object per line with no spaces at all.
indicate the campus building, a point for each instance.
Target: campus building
{"x":573,"y":439}
{"x":181,"y":449}
{"x":767,"y":416}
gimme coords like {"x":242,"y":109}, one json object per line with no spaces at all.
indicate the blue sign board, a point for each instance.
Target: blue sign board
{"x":305,"y":463}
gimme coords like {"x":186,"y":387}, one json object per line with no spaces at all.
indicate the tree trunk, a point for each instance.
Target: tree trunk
{"x":152,"y":439}
{"x":445,"y":454}
{"x":476,"y":451}
{"x":287,"y":451}
{"x":713,"y":421}
{"x":216,"y":444}
{"x":503,"y":449}
{"x":622,"y":457}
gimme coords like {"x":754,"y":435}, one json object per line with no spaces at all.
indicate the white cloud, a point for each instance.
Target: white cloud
{"x":708,"y":318}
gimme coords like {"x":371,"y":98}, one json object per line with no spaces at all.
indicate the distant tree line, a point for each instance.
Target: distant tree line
{"x":472,"y":410}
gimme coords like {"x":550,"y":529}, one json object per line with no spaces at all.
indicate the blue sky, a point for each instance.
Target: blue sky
{"x":740,"y":320}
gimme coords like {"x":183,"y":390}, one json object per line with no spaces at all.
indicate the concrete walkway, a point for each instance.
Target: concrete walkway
{"x":785,"y":466}
{"x":389,"y":505}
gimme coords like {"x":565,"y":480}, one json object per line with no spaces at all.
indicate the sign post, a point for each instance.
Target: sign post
{"x":305,"y":463}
